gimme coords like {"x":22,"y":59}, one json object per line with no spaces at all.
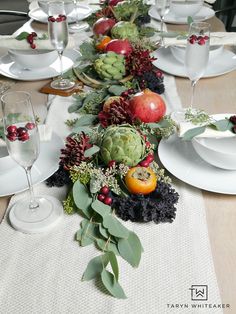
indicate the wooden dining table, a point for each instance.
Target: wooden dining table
{"x":215,"y":95}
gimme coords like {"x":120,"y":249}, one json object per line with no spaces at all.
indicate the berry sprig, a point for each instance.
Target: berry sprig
{"x":19,"y":133}
{"x":146,"y":162}
{"x":232,"y":119}
{"x":104,"y":196}
{"x":57,"y":19}
{"x":200,"y":40}
{"x":30,"y":39}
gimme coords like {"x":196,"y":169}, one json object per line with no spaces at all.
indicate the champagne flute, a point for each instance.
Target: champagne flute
{"x":33,"y":214}
{"x":197,"y":53}
{"x":58,"y":34}
{"x":196,"y":60}
{"x":78,"y":25}
{"x":163,"y":8}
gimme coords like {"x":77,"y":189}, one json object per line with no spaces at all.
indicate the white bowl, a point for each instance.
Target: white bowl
{"x":6,"y":162}
{"x":219,"y":152}
{"x":181,"y":8}
{"x":68,"y":5}
{"x":33,"y":59}
{"x":179,"y":52}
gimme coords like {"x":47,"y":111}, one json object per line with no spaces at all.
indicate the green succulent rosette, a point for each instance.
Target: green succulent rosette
{"x":122,"y":143}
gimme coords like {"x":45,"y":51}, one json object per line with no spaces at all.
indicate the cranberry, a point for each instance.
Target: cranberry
{"x":107,"y":200}
{"x":148,"y":144}
{"x":144,"y":163}
{"x":34,"y":34}
{"x":30,"y":125}
{"x":101,"y":197}
{"x":63,"y":17}
{"x":21,"y":131}
{"x":24,"y":137}
{"x":192,"y":41}
{"x":105,"y":190}
{"x":234,"y":129}
{"x":125,"y":94}
{"x":206,"y":37}
{"x":11,"y":137}
{"x":194,"y":37}
{"x":150,"y":158}
{"x":33,"y":46}
{"x":51,"y":19}
{"x":201,"y":42}
{"x":111,"y":163}
{"x":11,"y":129}
{"x":131,"y":91}
{"x":30,"y":39}
{"x":233,"y":119}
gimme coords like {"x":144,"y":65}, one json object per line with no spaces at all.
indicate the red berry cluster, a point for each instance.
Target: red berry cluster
{"x":104,"y":197}
{"x":21,"y":133}
{"x":30,"y":38}
{"x":60,"y":18}
{"x":232,"y":119}
{"x":146,"y":162}
{"x":128,"y":92}
{"x":201,"y":40}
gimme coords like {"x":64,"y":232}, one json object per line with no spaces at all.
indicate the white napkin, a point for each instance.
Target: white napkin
{"x":216,"y":39}
{"x":183,"y":127}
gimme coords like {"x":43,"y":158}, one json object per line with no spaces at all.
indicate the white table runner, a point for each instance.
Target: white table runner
{"x":41,"y":274}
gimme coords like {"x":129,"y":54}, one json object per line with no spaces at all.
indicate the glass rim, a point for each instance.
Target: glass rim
{"x":27,"y":96}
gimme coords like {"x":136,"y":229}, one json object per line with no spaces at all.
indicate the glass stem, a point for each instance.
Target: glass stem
{"x":77,"y":12}
{"x":33,"y":203}
{"x":193,"y":84}
{"x":162,"y":26}
{"x":60,"y":53}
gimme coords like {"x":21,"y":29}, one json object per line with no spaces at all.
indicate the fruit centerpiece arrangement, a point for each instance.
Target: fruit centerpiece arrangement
{"x":108,"y":159}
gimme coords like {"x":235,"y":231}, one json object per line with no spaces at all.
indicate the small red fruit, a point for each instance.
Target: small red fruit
{"x":21,"y":131}
{"x":33,"y":46}
{"x":192,"y":41}
{"x":11,"y":129}
{"x":111,"y":163}
{"x":144,"y":163}
{"x":201,"y":42}
{"x":30,"y":125}
{"x":101,"y":197}
{"x":34,"y":34}
{"x":11,"y":137}
{"x":149,"y":158}
{"x":105,"y":190}
{"x":107,"y":200}
{"x":24,"y":137}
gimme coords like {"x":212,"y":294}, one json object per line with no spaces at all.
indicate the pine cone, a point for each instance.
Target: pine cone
{"x":73,"y":153}
{"x":117,"y":113}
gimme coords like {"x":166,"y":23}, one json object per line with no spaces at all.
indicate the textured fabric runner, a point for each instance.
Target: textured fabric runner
{"x":42,"y":273}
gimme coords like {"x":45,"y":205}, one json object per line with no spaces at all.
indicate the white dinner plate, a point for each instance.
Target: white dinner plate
{"x":10,"y":69}
{"x":204,"y":14}
{"x":47,"y":163}
{"x":166,"y":62}
{"x":180,"y":159}
{"x":37,"y":14}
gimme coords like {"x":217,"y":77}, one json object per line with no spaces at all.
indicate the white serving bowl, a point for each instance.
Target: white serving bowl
{"x":33,"y":59}
{"x":219,"y":152}
{"x":68,"y":5}
{"x":179,"y":52}
{"x":181,"y":8}
{"x":6,"y":162}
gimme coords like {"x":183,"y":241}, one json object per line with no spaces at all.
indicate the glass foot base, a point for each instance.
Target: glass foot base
{"x":40,"y":219}
{"x":62,"y":84}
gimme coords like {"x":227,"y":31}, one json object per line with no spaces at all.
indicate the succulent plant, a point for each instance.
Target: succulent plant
{"x":125,"y":30}
{"x":110,"y":66}
{"x":122,"y":143}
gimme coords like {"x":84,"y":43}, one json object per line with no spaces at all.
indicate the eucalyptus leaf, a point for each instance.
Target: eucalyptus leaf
{"x":103,"y":231}
{"x":131,"y":249}
{"x":190,"y":134}
{"x":108,"y":247}
{"x":189,"y":20}
{"x":86,"y":120}
{"x":114,"y":227}
{"x":22,"y":36}
{"x":117,"y":90}
{"x":101,"y":208}
{"x":95,"y":267}
{"x":111,"y":285}
{"x":222,"y":125}
{"x":82,"y":198}
{"x":75,"y":107}
{"x":91,"y":151}
{"x":114,"y":265}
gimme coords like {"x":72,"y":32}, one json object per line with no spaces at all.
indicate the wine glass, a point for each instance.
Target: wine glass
{"x":33,"y":214}
{"x":163,"y":8}
{"x":78,"y":25}
{"x":58,"y":34}
{"x":196,"y":60}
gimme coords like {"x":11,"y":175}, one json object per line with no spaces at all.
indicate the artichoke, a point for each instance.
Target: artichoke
{"x":122,"y":143}
{"x":123,"y":30}
{"x":110,"y":66}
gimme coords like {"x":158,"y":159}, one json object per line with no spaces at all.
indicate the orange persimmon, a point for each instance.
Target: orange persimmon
{"x":102,"y":42}
{"x":140,"y":180}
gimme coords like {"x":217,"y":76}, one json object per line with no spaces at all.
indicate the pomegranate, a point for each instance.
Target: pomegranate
{"x":148,"y":106}
{"x":103,"y":25}
{"x":120,"y":46}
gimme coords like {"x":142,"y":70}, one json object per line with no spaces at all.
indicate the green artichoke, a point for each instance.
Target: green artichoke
{"x":123,"y":30}
{"x":122,"y":143}
{"x":110,"y":66}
